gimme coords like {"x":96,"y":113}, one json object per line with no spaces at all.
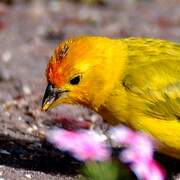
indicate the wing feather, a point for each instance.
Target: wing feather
{"x":153,"y":75}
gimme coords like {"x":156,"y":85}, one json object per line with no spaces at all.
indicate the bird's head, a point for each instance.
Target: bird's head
{"x":82,"y":71}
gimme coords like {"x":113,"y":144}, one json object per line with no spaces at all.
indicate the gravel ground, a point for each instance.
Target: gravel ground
{"x":29,"y":31}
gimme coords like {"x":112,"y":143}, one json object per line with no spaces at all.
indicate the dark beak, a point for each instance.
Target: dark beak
{"x":51,"y":95}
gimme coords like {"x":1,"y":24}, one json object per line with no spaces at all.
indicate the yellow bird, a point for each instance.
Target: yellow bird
{"x":134,"y":81}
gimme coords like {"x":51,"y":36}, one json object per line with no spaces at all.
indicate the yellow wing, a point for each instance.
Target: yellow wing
{"x":152,"y":81}
{"x":154,"y":76}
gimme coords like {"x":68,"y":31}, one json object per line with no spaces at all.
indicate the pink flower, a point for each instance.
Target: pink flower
{"x":83,"y":144}
{"x":138,"y":152}
{"x":150,"y":170}
{"x":121,"y":135}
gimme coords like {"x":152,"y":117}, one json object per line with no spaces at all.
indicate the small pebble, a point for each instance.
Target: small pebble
{"x":28,"y":176}
{"x":26,"y":90}
{"x":6,"y":56}
{"x":2,"y":151}
{"x":34,"y":127}
{"x":30,"y":130}
{"x":19,"y":118}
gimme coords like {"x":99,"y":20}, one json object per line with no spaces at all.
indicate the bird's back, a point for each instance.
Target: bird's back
{"x":153,"y":73}
{"x":148,"y":96}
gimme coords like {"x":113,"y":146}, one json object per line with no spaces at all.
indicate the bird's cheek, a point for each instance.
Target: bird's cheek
{"x":64,"y":100}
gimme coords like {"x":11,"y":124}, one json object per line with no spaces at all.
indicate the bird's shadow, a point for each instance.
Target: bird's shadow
{"x":170,"y":165}
{"x":38,"y":156}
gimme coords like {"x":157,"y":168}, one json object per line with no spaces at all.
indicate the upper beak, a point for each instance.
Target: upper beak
{"x":51,"y":95}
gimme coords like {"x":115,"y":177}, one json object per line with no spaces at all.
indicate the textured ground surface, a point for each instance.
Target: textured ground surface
{"x":29,"y":31}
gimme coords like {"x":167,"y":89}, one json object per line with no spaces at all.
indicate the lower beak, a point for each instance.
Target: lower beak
{"x":50,"y":96}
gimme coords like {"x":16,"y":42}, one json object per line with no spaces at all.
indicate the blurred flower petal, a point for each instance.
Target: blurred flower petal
{"x":90,"y":145}
{"x":138,"y":152}
{"x":121,"y":134}
{"x":143,"y":146}
{"x":148,"y":171}
{"x":83,"y":144}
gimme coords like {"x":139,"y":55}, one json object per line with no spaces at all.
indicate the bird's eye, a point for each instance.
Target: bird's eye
{"x":75,"y":80}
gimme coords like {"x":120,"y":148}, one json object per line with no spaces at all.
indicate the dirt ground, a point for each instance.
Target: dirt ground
{"x":29,"y":31}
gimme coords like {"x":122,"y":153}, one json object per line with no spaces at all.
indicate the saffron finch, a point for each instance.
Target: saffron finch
{"x":133,"y":81}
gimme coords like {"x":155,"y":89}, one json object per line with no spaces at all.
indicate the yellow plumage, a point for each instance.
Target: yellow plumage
{"x":135,"y":81}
